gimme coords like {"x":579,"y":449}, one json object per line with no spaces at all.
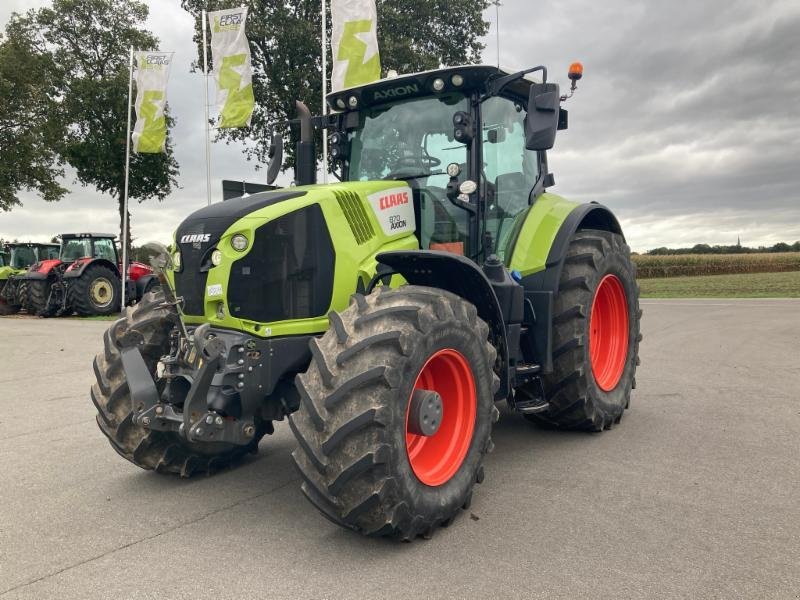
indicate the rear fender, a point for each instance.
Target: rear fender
{"x":462,"y":277}
{"x":77,"y":268}
{"x":541,"y":286}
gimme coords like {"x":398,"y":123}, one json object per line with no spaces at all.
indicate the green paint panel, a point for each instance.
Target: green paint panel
{"x":354,"y":260}
{"x":542,"y":222}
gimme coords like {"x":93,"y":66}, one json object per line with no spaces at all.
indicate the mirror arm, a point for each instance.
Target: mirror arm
{"x":496,"y":86}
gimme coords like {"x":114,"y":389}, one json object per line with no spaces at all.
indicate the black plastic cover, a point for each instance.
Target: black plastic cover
{"x":288,"y":273}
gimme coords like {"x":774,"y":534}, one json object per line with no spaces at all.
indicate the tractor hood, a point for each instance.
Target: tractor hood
{"x":306,"y":248}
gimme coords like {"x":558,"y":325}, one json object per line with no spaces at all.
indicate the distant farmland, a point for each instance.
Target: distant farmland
{"x":682,"y":265}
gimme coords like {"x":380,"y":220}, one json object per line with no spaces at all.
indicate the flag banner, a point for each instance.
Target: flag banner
{"x":354,"y":43}
{"x":232,"y":70}
{"x":152,"y":73}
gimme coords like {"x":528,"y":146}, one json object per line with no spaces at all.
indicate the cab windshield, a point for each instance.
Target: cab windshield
{"x":413,"y":141}
{"x":22,"y":257}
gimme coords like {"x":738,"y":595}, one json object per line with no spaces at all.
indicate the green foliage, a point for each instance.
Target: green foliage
{"x":28,"y":137}
{"x":284,"y":37}
{"x":85,"y":43}
{"x":737,"y":249}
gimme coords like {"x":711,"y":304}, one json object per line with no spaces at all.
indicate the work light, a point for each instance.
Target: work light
{"x":239,"y":242}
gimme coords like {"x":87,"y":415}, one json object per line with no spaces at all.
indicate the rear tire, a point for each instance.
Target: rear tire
{"x":361,"y":467}
{"x":164,"y":452}
{"x":595,"y":335}
{"x":96,"y":292}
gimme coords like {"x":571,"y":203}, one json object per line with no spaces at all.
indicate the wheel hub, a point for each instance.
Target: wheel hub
{"x":101,"y":292}
{"x":425,"y":413}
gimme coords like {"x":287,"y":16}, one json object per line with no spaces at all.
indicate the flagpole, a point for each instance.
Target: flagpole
{"x":127,"y":168}
{"x":324,"y":91}
{"x":208,"y":130}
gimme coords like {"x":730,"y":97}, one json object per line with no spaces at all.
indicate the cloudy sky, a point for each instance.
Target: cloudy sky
{"x":686,"y":123}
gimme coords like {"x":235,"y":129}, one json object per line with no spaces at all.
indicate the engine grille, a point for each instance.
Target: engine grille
{"x":288,"y":273}
{"x":356,"y":216}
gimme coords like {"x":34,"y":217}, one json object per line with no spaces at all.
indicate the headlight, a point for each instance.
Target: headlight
{"x":176,"y":261}
{"x":216,"y":257}
{"x":239,"y":242}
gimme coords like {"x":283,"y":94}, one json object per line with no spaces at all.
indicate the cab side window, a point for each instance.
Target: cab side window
{"x":105,"y":249}
{"x":509,"y":169}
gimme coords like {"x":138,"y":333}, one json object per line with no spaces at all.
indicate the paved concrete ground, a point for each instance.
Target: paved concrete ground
{"x":695,"y":495}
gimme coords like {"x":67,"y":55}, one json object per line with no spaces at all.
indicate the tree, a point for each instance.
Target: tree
{"x":88,"y":41}
{"x":28,"y":137}
{"x":284,"y":37}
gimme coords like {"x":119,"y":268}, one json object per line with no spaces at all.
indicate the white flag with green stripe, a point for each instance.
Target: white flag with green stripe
{"x":232,"y":70}
{"x":152,"y":73}
{"x":354,"y":43}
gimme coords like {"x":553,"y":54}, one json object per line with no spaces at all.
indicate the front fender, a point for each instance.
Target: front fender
{"x":462,"y":277}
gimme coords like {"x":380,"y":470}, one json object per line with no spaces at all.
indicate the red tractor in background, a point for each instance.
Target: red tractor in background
{"x":85,"y":278}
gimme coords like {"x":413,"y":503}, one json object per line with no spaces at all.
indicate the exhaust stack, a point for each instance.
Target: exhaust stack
{"x":305,"y":172}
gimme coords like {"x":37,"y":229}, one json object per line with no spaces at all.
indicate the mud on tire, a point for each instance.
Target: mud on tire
{"x":164,"y":452}
{"x":576,"y":400}
{"x":351,"y":426}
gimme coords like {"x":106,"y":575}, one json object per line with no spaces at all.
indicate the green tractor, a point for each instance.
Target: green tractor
{"x":387,"y":314}
{"x":17,"y":258}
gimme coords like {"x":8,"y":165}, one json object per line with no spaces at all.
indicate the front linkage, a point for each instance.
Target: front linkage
{"x":213,"y":383}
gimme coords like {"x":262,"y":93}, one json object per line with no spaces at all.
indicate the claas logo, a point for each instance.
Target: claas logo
{"x":391,"y":200}
{"x":195,"y":238}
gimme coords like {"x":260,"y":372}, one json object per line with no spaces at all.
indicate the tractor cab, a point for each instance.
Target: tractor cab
{"x":75,"y":246}
{"x":22,"y":256}
{"x":468,"y":141}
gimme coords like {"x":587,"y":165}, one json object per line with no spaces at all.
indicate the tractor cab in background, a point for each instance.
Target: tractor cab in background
{"x":84,"y":277}
{"x":14,"y":260}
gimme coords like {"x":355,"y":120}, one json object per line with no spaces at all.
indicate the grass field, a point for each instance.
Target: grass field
{"x":679,"y":265}
{"x":744,"y":285}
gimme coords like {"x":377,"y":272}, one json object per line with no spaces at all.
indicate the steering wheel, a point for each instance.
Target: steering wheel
{"x":425,"y":161}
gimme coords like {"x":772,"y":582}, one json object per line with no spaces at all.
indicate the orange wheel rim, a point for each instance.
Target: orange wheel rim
{"x":436,"y":459}
{"x":608,"y":332}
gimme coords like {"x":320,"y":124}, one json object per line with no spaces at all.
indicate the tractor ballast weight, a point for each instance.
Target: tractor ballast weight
{"x":384,"y":315}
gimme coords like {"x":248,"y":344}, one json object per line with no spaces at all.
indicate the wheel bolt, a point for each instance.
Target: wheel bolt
{"x":240,"y":385}
{"x":198,"y":432}
{"x":240,"y":361}
{"x":249,"y":430}
{"x":146,"y":421}
{"x":209,"y":419}
{"x":159,"y":410}
{"x":219,"y":421}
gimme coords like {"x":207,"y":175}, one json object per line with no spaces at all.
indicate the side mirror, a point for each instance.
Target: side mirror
{"x":541,"y":121}
{"x":275,"y":157}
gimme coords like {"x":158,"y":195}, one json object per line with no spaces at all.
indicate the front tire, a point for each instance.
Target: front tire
{"x":8,"y":306}
{"x":363,"y":465}
{"x":38,"y":298}
{"x":595,"y":335}
{"x":164,"y":452}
